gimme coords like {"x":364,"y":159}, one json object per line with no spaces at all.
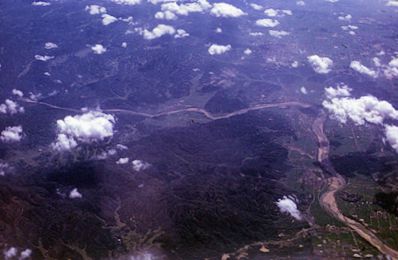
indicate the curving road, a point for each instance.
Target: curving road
{"x":336,"y":183}
{"x":207,"y":114}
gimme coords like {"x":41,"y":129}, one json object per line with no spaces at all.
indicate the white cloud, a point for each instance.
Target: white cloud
{"x":287,"y":205}
{"x":256,"y":34}
{"x":218,"y":30}
{"x":89,"y":127}
{"x":75,"y":194}
{"x":278,"y":34}
{"x":127,"y":2}
{"x":320,"y":65}
{"x":391,"y":70}
{"x":340,"y":91}
{"x":392,"y":3}
{"x":181,"y":34}
{"x":25,"y":254}
{"x":391,"y":133}
{"x":10,"y":253}
{"x":17,"y":92}
{"x":166,"y":15}
{"x":106,"y":154}
{"x":295,"y":64}
{"x":185,"y":9}
{"x":50,"y":45}
{"x":158,"y":31}
{"x":216,"y":49}
{"x":64,"y":143}
{"x":266,"y":22}
{"x":226,"y":10}
{"x":95,"y":9}
{"x":139,"y":165}
{"x":3,"y":168}
{"x":366,"y":109}
{"x":41,"y":3}
{"x":122,"y":160}
{"x":155,"y":2}
{"x":357,"y":66}
{"x":11,"y":107}
{"x":349,"y":27}
{"x":247,"y":51}
{"x":300,"y":3}
{"x":11,"y":134}
{"x":276,"y":12}
{"x":98,"y":49}
{"x":345,"y":18}
{"x":108,"y":19}
{"x":121,"y":147}
{"x":303,"y":90}
{"x":43,"y":57}
{"x":256,"y":7}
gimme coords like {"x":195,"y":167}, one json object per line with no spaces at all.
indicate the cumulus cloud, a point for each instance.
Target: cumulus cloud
{"x":98,"y":49}
{"x":43,"y":57}
{"x":166,"y":15}
{"x":287,"y":205}
{"x":255,"y":34}
{"x":276,"y":12}
{"x":180,"y":33}
{"x":10,"y":253}
{"x":25,"y":254}
{"x":391,"y":133}
{"x":184,"y":9}
{"x":11,"y":134}
{"x":350,"y":28}
{"x":391,"y":70}
{"x":3,"y":168}
{"x":340,"y":91}
{"x":17,"y":92}
{"x":108,"y":19}
{"x":303,"y":90}
{"x":40,"y":3}
{"x":11,"y":107}
{"x":127,"y":2}
{"x":357,"y":66}
{"x":50,"y":45}
{"x":366,"y":109}
{"x":122,"y":160}
{"x":121,"y":147}
{"x":392,"y":3}
{"x":247,"y":51}
{"x":139,"y":165}
{"x":75,"y":194}
{"x":266,"y":22}
{"x":216,"y":49}
{"x":278,"y":34}
{"x":157,"y":32}
{"x":226,"y":10}
{"x":256,"y":6}
{"x":345,"y":18}
{"x":320,"y":65}
{"x":300,"y":3}
{"x":92,"y":126}
{"x":95,"y":9}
